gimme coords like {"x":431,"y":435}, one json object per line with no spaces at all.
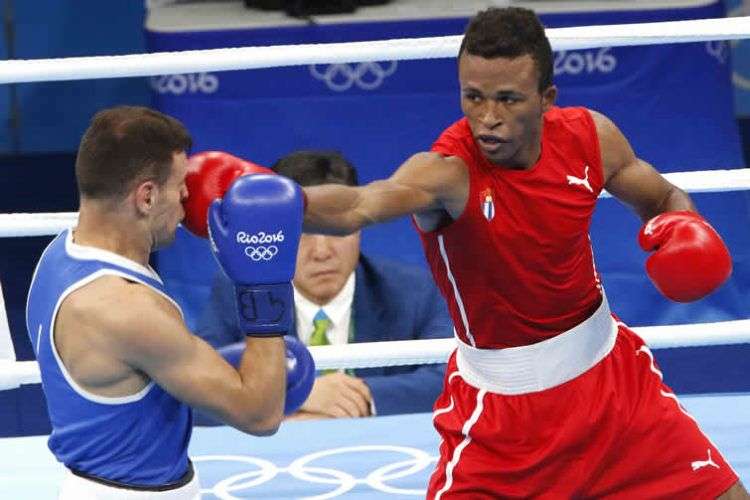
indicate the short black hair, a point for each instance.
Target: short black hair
{"x":510,"y":32}
{"x":311,"y":168}
{"x":125,"y":145}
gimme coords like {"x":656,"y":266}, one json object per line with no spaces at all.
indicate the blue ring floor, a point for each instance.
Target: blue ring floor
{"x":348,"y":458}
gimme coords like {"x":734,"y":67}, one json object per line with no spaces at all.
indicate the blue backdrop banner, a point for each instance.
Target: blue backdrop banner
{"x":674,"y":103}
{"x":740,"y":57}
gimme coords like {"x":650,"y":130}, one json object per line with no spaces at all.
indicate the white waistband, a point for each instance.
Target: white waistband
{"x":75,"y":487}
{"x":540,"y":366}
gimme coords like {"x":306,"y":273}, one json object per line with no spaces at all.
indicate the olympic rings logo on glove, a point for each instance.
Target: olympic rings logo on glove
{"x":261,"y":252}
{"x":366,"y":75}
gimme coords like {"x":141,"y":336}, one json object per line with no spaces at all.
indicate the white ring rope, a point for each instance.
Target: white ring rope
{"x":193,"y":61}
{"x":699,"y":181}
{"x":363,"y":355}
{"x":417,"y":352}
{"x":41,"y":224}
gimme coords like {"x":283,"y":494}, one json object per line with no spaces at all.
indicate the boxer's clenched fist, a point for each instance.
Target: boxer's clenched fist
{"x":689,"y":258}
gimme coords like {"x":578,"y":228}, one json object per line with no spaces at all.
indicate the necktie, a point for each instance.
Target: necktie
{"x":321,"y":322}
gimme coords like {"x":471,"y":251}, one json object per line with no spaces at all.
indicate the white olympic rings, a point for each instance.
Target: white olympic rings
{"x":300,"y":469}
{"x":365,"y":75}
{"x":261,"y":252}
{"x":719,"y":50}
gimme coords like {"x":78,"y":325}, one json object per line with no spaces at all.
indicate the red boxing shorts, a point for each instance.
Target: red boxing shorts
{"x":612,"y":431}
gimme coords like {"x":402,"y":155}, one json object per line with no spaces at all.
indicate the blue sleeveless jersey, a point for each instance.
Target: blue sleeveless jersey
{"x":139,"y":439}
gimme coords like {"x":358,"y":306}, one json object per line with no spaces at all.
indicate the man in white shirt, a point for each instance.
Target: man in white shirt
{"x":342,"y":296}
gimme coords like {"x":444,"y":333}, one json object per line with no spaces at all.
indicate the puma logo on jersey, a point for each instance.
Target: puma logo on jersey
{"x":488,"y":206}
{"x":649,"y":229}
{"x":578,"y":181}
{"x":699,"y":464}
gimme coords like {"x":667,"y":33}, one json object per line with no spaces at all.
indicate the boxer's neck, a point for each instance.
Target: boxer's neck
{"x":114,"y":230}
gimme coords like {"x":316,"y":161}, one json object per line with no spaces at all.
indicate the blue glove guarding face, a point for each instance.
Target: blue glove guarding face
{"x":300,"y":370}
{"x":254,"y":232}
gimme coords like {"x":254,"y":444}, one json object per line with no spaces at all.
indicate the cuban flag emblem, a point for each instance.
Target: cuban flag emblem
{"x":488,"y":207}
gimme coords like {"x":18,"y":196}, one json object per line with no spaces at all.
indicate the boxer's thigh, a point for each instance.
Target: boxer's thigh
{"x":542,"y":445}
{"x":662,"y":452}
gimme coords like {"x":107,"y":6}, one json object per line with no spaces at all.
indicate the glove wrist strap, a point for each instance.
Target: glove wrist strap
{"x":264,"y":310}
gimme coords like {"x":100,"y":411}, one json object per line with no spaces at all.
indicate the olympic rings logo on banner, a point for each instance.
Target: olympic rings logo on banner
{"x":192,"y":83}
{"x":741,"y":81}
{"x":366,"y":75}
{"x":342,"y":482}
{"x":719,"y":50}
{"x":261,"y":252}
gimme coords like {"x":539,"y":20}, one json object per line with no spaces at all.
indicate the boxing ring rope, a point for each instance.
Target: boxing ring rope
{"x":363,"y":355}
{"x":411,"y":352}
{"x":419,"y":352}
{"x":699,"y":181}
{"x":194,"y":61}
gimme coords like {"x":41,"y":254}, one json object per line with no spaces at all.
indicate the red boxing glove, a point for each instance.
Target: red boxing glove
{"x":209,"y":175}
{"x":690,"y":260}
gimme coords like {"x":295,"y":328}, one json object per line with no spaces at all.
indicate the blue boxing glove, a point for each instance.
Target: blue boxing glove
{"x":300,"y":374}
{"x":254,"y":232}
{"x":300,"y":370}
{"x":232,"y":353}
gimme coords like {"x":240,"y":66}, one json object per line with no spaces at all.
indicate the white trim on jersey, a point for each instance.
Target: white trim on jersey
{"x":450,"y":406}
{"x":68,"y":378}
{"x":33,"y":278}
{"x":652,"y":366}
{"x":670,"y":395}
{"x":96,"y":398}
{"x":82,"y":252}
{"x":38,"y":338}
{"x":460,"y":448}
{"x":456,"y":294}
{"x":597,"y":278}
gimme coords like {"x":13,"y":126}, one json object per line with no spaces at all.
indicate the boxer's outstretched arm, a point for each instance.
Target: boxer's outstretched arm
{"x":146,"y":332}
{"x":632,"y":180}
{"x":425,"y":182}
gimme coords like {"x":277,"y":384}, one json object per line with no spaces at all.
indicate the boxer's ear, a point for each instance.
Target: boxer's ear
{"x":549,"y":96}
{"x":145,"y":196}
